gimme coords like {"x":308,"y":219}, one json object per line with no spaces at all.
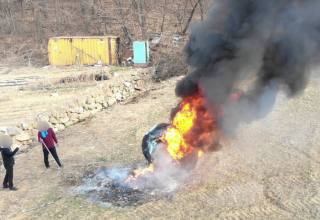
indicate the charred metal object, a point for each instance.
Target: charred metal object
{"x":151,"y":140}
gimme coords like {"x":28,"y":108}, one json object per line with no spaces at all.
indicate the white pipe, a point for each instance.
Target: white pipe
{"x":48,"y":149}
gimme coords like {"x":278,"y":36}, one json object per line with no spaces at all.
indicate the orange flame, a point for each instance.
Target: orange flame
{"x":140,"y":172}
{"x":143,"y":171}
{"x":192,"y":129}
{"x":181,"y":125}
{"x":200,"y":153}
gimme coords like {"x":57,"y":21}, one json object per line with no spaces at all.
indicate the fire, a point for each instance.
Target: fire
{"x":192,"y":129}
{"x":181,"y":125}
{"x":200,"y":153}
{"x":140,"y":172}
{"x":143,"y":171}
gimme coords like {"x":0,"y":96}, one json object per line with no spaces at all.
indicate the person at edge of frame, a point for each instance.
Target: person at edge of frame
{"x":8,"y":160}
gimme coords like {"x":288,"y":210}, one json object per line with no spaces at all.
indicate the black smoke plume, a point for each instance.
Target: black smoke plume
{"x":272,"y":43}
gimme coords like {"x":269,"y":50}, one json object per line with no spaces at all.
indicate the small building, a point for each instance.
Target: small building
{"x":84,"y":50}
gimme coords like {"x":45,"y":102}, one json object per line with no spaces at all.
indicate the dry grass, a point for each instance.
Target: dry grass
{"x":49,"y":88}
{"x":269,"y":170}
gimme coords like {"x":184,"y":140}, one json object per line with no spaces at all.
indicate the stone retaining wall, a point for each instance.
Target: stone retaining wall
{"x":101,"y":97}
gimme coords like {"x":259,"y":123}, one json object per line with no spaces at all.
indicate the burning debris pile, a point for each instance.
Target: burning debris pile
{"x":191,"y":130}
{"x":273,"y":43}
{"x":194,"y":129}
{"x":131,"y":185}
{"x":121,"y":187}
{"x":172,"y":151}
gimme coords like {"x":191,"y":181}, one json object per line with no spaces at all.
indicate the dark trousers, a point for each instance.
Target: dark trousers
{"x":8,"y":179}
{"x":53,"y":153}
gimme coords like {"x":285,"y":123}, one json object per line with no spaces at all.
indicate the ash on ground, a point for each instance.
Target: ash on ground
{"x":111,"y":187}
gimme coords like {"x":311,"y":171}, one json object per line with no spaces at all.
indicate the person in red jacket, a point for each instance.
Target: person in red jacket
{"x":48,"y":139}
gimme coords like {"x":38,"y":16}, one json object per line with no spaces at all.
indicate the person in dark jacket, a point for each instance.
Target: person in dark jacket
{"x":8,"y":160}
{"x":48,"y":139}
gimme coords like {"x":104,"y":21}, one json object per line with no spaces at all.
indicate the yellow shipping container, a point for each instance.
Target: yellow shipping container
{"x":83,"y":50}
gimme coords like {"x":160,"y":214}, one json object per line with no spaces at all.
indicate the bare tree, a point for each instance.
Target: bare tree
{"x":180,"y":11}
{"x":6,"y":11}
{"x":21,"y":6}
{"x":138,"y":6}
{"x":201,"y":10}
{"x":164,"y":9}
{"x":37,"y":20}
{"x":191,"y":16}
{"x":121,"y":16}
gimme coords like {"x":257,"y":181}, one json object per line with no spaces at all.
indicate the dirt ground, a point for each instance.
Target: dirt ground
{"x":28,"y":91}
{"x":269,"y":170}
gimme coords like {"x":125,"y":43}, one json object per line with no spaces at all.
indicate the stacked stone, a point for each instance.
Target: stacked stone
{"x":101,"y":98}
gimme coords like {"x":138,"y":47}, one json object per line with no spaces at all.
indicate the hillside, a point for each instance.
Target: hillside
{"x":26,"y":25}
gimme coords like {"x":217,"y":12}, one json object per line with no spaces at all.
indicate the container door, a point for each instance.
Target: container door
{"x":140,"y":52}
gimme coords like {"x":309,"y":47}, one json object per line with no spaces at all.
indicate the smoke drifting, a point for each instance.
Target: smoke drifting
{"x":273,"y":43}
